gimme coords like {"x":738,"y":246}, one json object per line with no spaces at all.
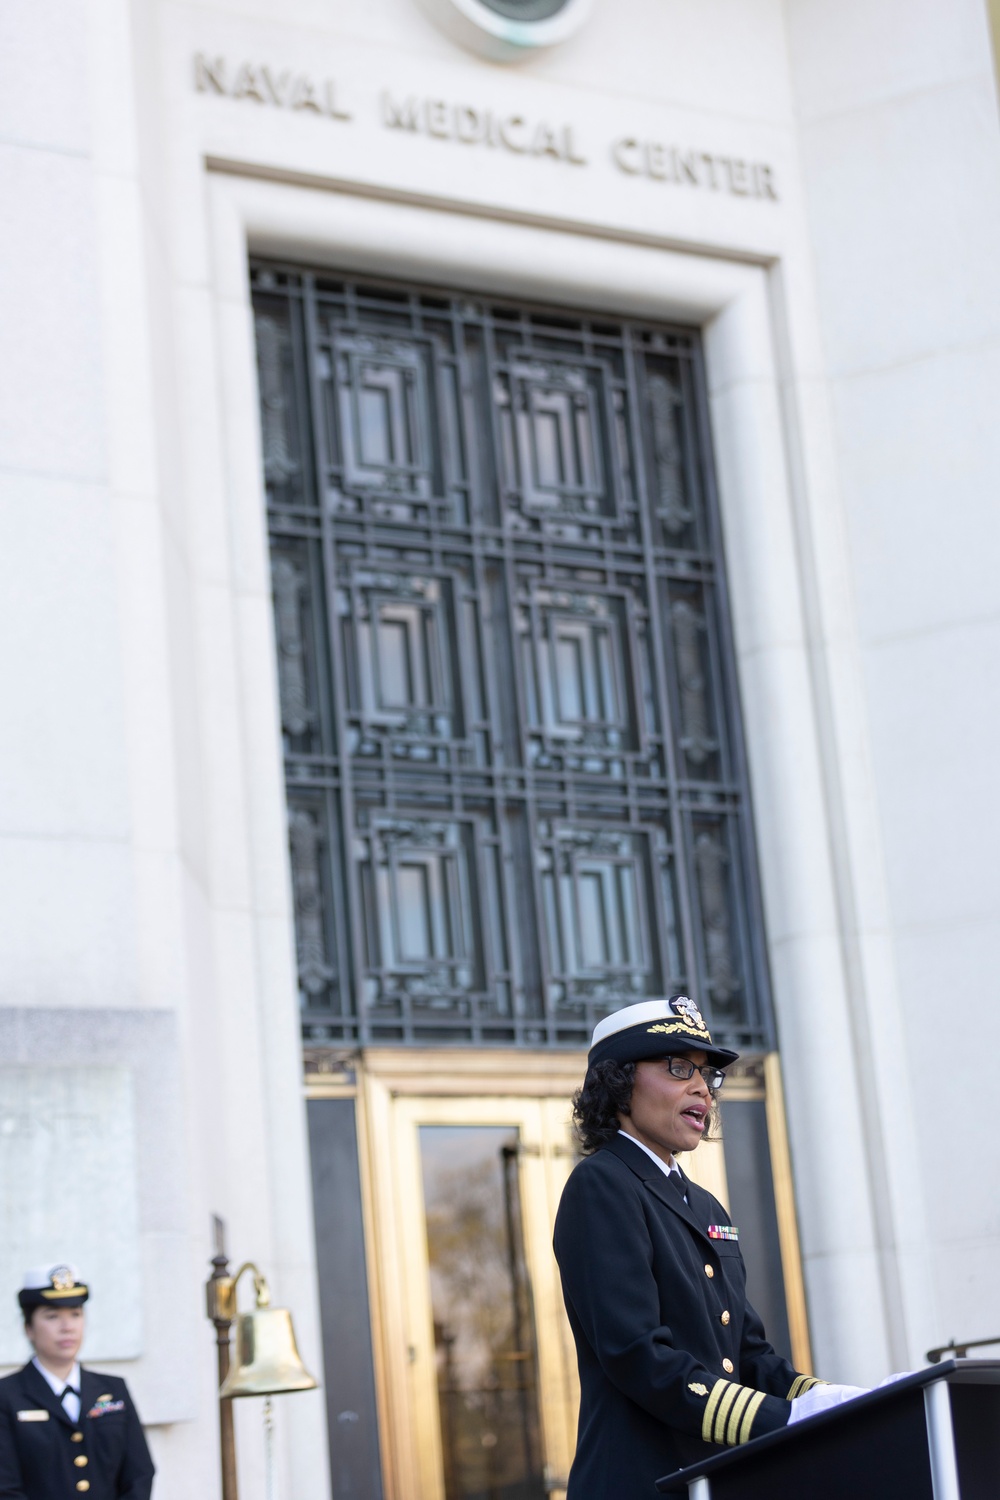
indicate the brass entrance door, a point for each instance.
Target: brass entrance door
{"x":479,"y":1365}
{"x":481,"y":1178}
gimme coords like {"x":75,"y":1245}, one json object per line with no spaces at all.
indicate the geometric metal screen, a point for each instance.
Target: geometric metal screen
{"x":516,"y":787}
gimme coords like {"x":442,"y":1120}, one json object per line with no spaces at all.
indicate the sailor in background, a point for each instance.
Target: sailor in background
{"x":65,"y":1431}
{"x":672,"y":1357}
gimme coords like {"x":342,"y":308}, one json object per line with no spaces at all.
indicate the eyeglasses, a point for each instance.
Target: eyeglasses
{"x":683,"y":1067}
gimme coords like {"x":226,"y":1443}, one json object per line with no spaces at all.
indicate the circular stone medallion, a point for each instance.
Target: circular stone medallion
{"x":505,"y":30}
{"x":526,"y":10}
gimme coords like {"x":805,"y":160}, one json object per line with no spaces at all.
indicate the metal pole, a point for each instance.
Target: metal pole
{"x":941,"y":1441}
{"x":269,"y":1450}
{"x":699,"y":1489}
{"x":227,"y":1437}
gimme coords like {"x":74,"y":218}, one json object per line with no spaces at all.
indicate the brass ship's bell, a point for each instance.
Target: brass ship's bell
{"x":267,"y":1357}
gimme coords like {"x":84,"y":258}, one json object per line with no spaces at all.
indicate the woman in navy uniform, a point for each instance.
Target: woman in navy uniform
{"x":672,"y":1357}
{"x":65,"y":1431}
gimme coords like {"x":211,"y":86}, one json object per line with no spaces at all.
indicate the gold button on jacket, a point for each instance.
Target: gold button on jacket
{"x":727,"y":1365}
{"x":80,"y":1461}
{"x":83,"y":1484}
{"x":76,"y":1437}
{"x":709,"y":1271}
{"x":724,"y":1319}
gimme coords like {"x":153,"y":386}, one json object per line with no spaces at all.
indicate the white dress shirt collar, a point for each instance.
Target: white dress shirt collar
{"x":664,"y":1168}
{"x":57,"y":1386}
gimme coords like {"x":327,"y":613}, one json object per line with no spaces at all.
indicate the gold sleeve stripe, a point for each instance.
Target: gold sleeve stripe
{"x":738,"y":1408}
{"x":801,"y":1384}
{"x":716,"y":1396}
{"x":746,"y":1426}
{"x":725,"y":1406}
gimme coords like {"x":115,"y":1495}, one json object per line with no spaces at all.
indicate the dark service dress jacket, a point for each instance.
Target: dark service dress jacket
{"x":45,"y":1456}
{"x":657,"y":1305}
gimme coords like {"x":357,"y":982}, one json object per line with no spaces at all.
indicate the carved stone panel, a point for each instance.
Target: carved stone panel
{"x":297,"y":711}
{"x":309,"y":860}
{"x":422,"y":912}
{"x":719,"y":928}
{"x":607,"y":898}
{"x":388,"y":422}
{"x":696,"y":739}
{"x":281,"y":462}
{"x":583,"y":663}
{"x":403,"y":659}
{"x":68,"y":1177}
{"x":559,"y":442}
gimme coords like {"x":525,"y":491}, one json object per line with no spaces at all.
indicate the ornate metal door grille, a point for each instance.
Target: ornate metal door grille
{"x":516,"y":785}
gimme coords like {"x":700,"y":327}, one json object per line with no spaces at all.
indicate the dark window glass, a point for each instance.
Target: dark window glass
{"x":516,"y":782}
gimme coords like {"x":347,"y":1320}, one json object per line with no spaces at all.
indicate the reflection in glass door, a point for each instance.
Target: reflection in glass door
{"x":483,"y":1317}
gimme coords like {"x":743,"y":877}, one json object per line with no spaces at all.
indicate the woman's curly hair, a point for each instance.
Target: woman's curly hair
{"x":606,"y":1094}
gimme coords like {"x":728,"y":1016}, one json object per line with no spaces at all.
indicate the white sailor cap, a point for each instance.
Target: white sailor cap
{"x":655,"y":1028}
{"x":57,"y":1285}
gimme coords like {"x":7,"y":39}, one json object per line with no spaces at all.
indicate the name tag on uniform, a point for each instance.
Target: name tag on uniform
{"x":723,"y":1232}
{"x":33,"y":1416}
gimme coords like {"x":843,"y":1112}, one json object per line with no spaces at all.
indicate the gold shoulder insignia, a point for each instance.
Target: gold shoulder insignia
{"x":698,"y":1388}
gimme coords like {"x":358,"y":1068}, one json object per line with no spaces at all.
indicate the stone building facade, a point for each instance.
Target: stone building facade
{"x":615,"y":386}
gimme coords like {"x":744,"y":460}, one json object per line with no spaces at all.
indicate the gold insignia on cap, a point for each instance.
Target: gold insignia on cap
{"x":671,"y":1028}
{"x":681,"y":1005}
{"x":698,"y":1388}
{"x":62,"y":1279}
{"x":690,"y":1020}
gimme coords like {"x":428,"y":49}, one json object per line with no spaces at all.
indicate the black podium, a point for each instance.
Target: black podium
{"x":932,"y":1436}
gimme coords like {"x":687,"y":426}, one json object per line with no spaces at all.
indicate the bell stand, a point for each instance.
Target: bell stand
{"x":221,"y":1305}
{"x":274,"y":1364}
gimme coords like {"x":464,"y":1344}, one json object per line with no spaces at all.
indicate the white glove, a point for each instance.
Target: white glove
{"x":891,"y":1379}
{"x":823,"y":1398}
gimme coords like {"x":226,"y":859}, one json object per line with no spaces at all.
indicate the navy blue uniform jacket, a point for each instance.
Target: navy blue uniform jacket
{"x":45,"y":1456}
{"x":656,"y":1305}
